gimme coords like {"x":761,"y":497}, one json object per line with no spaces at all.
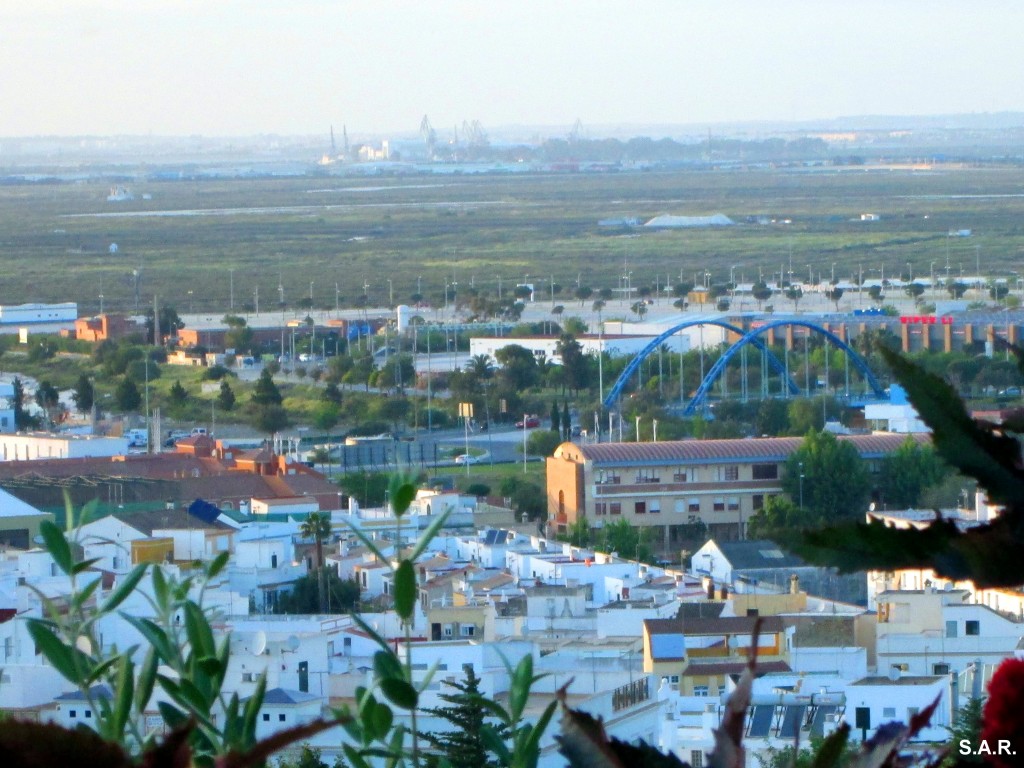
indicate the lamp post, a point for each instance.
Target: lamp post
{"x":391,"y":293}
{"x":190,"y":301}
{"x":231,"y":288}
{"x":931,"y":275}
{"x":910,"y":272}
{"x":801,"y":486}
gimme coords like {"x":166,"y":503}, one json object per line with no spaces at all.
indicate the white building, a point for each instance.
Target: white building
{"x":897,"y":415}
{"x":45,"y":445}
{"x":12,"y":314}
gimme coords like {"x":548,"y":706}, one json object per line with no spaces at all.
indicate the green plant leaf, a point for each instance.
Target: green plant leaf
{"x":146,"y":681}
{"x":519,"y":690}
{"x":367,"y":541}
{"x":252,"y":709}
{"x":153,"y":633}
{"x":84,"y":565}
{"x":57,"y":546}
{"x":831,"y":749}
{"x":405,"y":590}
{"x":387,"y":666}
{"x":399,"y":692}
{"x":81,"y":597}
{"x":217,"y":565}
{"x":125,"y":692}
{"x":60,"y":655}
{"x":200,"y":636}
{"x":374,"y":635}
{"x":125,"y":587}
{"x":383,"y":718}
{"x":161,"y":593}
{"x":402,"y":495}
{"x":173,"y":716}
{"x":429,"y":533}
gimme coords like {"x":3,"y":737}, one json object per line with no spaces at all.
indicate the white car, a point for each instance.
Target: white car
{"x":465,"y":458}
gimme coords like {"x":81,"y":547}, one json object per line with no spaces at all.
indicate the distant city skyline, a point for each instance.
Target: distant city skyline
{"x":231,"y":68}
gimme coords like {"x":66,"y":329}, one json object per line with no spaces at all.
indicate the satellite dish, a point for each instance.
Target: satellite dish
{"x":871,"y":507}
{"x":259,"y":643}
{"x":293,"y":643}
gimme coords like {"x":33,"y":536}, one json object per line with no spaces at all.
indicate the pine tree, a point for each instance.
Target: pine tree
{"x":178,"y":394}
{"x":83,"y":394}
{"x":266,"y":391}
{"x":226,"y":398}
{"x":127,"y":395}
{"x":464,"y":746}
{"x":566,"y":421}
{"x":555,"y":418}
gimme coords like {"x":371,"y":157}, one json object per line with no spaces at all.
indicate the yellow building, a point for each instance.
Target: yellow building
{"x":670,"y":486}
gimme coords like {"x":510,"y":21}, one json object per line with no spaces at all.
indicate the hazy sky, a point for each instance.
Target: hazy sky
{"x":228,"y":67}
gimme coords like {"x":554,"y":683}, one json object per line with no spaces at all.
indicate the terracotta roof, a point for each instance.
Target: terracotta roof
{"x":734,"y":668}
{"x":720,"y":625}
{"x":744,"y":449}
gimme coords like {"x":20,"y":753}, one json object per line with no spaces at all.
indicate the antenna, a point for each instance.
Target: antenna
{"x":293,"y":643}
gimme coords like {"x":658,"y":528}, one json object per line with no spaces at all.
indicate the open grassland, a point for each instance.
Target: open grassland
{"x":54,"y":239}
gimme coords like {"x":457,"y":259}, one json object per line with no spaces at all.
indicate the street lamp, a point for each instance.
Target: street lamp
{"x":391,"y":293}
{"x":801,"y":486}
{"x":190,"y":301}
{"x":910,"y":272}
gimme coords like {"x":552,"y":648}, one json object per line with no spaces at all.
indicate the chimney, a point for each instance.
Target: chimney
{"x":794,"y":584}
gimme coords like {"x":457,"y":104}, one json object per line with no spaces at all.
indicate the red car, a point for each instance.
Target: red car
{"x":530,"y":422}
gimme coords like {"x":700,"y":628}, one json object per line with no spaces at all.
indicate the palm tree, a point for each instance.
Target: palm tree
{"x":317,"y":526}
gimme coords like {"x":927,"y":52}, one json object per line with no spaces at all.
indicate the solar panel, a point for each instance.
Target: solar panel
{"x":791,"y":721}
{"x":761,"y":720}
{"x":818,"y":720}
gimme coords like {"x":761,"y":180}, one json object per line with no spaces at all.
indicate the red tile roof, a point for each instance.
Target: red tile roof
{"x":739,"y":450}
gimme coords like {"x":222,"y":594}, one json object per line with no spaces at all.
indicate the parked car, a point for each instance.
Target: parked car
{"x":530,"y":422}
{"x":466,"y":458}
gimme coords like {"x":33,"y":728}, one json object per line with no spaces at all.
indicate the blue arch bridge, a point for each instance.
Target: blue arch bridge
{"x":871,"y":392}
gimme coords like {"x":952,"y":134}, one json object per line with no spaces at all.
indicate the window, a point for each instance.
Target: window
{"x":468,"y":630}
{"x":615,"y":508}
{"x":700,"y":690}
{"x":889,"y":712}
{"x":765,"y":471}
{"x":758,"y":501}
{"x":447,"y":630}
{"x":718,"y":504}
{"x":950,"y":629}
{"x":640,"y":507}
{"x":600,"y":508}
{"x":72,"y":713}
{"x":680,"y":476}
{"x":280,"y":718}
{"x":648,"y":476}
{"x":88,"y":714}
{"x":727,"y":473}
{"x":654,"y":507}
{"x":940,"y":669}
{"x":266,"y":717}
{"x":674,"y":679}
{"x":733,"y":503}
{"x":679,"y":506}
{"x":696,"y":758}
{"x":694,"y":504}
{"x":972,"y":628}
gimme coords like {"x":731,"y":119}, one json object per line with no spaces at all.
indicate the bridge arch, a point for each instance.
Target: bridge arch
{"x":616,"y":391}
{"x":751,"y":337}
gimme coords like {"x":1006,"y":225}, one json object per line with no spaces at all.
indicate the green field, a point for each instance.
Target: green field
{"x":473,"y":229}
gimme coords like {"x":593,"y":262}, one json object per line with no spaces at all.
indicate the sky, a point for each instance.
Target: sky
{"x":244,"y":67}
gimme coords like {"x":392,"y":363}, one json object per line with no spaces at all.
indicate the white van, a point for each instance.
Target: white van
{"x":137,"y":438}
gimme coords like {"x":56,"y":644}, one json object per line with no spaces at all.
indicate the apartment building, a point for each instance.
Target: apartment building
{"x":670,"y":486}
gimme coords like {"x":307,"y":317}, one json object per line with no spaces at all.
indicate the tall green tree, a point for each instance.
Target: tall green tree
{"x":22,"y":418}
{"x":226,"y":396}
{"x":127,"y":395}
{"x":178,"y":394}
{"x":318,"y":528}
{"x":907,"y":472}
{"x":83,"y":394}
{"x":556,"y":418}
{"x":566,"y":422}
{"x":835,"y":483}
{"x":266,"y":391}
{"x":464,"y":745}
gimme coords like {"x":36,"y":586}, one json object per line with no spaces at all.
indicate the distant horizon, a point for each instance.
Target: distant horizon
{"x":598,"y":131}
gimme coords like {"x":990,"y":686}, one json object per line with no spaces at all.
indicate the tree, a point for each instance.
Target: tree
{"x":226,"y":397}
{"x":997,"y":290}
{"x":527,"y":498}
{"x":269,"y":418}
{"x":628,"y":541}
{"x":566,"y":421}
{"x":127,"y":395}
{"x":266,"y":392}
{"x":464,"y":745}
{"x":331,"y":393}
{"x":543,"y":442}
{"x":22,"y":418}
{"x":829,"y":475}
{"x":178,"y":395}
{"x":834,"y":295}
{"x":639,"y":309}
{"x":956,"y":289}
{"x":875,"y":292}
{"x":907,"y":472}
{"x":48,"y":398}
{"x":83,"y":394}
{"x":761,"y":293}
{"x":170,"y":324}
{"x":556,"y":418}
{"x":914,"y":291}
{"x":779,"y":518}
{"x":342,"y":595}
{"x":318,"y":527}
{"x":794,"y":293}
{"x":575,"y":365}
{"x":368,"y":488}
{"x":966,"y":727}
{"x":583,"y":293}
{"x":519,"y":366}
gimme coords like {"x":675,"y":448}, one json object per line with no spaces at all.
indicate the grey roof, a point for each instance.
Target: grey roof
{"x":767,"y":449}
{"x":97,"y":691}
{"x":744,"y":555}
{"x":288,"y":696}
